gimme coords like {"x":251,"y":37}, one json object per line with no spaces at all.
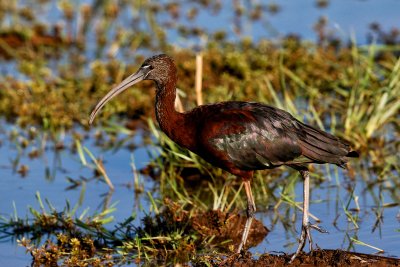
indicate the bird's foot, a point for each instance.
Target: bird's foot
{"x":319,"y":229}
{"x":306,"y":234}
{"x":240,"y":248}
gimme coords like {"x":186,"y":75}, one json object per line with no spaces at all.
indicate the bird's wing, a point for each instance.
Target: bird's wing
{"x":257,"y":136}
{"x":251,"y":135}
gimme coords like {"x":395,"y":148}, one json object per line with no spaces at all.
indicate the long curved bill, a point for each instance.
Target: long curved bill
{"x":128,"y":82}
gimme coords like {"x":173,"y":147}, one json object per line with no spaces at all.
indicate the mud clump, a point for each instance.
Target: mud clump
{"x":228,"y":226}
{"x":175,"y":235}
{"x":315,"y":258}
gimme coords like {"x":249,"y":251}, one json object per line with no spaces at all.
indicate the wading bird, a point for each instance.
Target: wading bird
{"x":239,"y":137}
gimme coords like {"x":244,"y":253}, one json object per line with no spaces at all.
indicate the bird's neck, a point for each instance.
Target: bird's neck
{"x":172,"y":122}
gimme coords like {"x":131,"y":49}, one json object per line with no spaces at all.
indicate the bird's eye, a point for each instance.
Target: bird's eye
{"x":150,"y":67}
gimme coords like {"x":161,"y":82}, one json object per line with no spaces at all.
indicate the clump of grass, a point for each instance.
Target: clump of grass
{"x":80,"y":251}
{"x":372,"y":109}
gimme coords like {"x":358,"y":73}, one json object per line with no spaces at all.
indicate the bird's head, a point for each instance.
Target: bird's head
{"x":160,"y":69}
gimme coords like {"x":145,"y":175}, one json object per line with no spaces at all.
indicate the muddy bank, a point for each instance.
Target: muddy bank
{"x":315,"y":258}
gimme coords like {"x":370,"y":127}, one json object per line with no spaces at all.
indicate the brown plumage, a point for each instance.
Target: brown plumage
{"x":239,"y":137}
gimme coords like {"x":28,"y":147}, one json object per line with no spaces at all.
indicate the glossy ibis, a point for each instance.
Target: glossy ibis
{"x":239,"y":137}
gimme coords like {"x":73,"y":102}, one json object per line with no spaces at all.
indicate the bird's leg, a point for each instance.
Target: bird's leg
{"x":305,"y":226}
{"x":250,"y":210}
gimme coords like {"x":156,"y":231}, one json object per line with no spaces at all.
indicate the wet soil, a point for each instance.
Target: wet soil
{"x":228,"y":226}
{"x":315,"y":258}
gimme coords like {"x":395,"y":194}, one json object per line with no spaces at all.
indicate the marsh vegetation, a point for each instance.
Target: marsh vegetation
{"x":162,"y":204}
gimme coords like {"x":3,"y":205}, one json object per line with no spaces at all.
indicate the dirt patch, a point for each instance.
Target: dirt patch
{"x":315,"y":258}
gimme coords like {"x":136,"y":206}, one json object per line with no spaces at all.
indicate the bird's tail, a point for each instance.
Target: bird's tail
{"x":323,"y":147}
